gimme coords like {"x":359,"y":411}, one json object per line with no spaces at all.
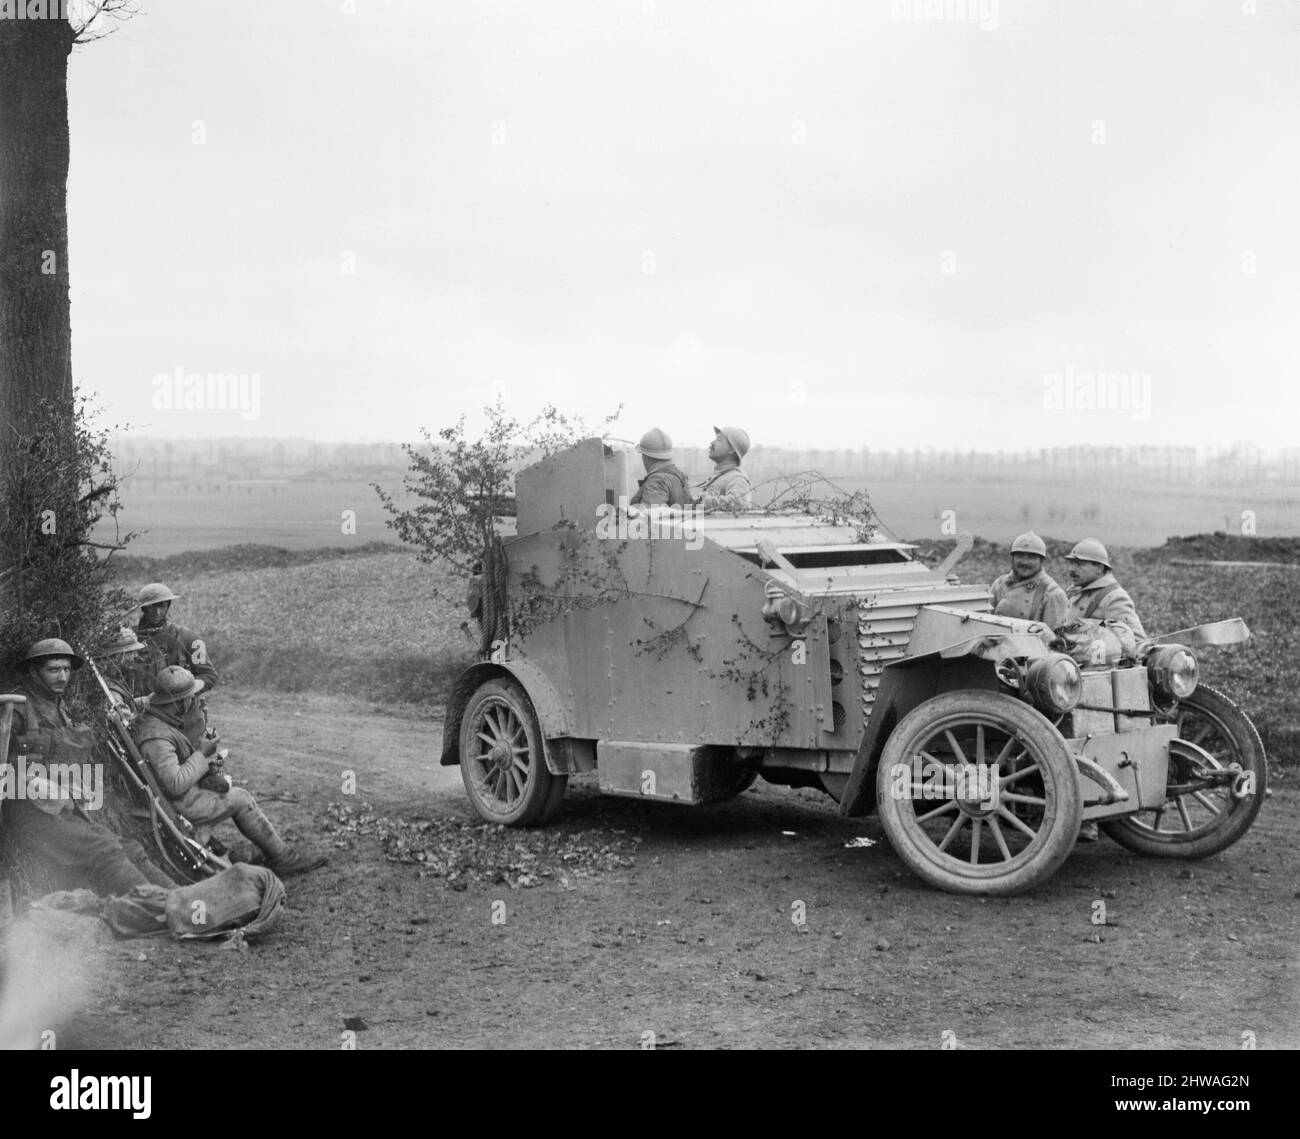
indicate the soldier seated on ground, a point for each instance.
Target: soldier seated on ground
{"x":184,"y":773}
{"x":45,"y":807}
{"x":1027,"y":591}
{"x":167,"y":644}
{"x":728,"y":488}
{"x":118,"y":664}
{"x":664,"y":484}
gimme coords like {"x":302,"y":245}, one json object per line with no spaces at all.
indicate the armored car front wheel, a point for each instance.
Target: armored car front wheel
{"x":978,"y":793}
{"x":1217,"y":781}
{"x":501,"y":760}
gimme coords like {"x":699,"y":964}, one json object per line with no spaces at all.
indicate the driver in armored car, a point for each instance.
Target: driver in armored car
{"x":1027,"y":591}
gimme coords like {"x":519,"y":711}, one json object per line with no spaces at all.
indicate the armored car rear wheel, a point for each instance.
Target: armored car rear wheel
{"x":978,"y":793}
{"x":501,"y":760}
{"x":1206,"y":809}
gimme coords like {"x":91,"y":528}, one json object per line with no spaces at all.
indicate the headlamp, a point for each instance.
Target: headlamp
{"x":1173,"y":672}
{"x":1053,"y":684}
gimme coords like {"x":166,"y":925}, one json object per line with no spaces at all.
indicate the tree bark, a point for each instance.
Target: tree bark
{"x":35,"y":313}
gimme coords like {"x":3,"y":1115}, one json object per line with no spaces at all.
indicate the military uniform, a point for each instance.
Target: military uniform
{"x":163,"y":739}
{"x":663,"y":485}
{"x":167,"y":644}
{"x":1107,"y":601}
{"x":52,"y":823}
{"x":1038,"y":598}
{"x":728,"y":488}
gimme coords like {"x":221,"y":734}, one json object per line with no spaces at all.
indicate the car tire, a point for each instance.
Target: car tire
{"x":995,"y":844}
{"x":1203,"y":820}
{"x":501,"y":760}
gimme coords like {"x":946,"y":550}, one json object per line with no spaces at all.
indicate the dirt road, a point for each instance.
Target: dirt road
{"x":747,"y":924}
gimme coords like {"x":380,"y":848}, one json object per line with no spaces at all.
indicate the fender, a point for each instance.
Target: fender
{"x":552,"y":716}
{"x":905,"y":683}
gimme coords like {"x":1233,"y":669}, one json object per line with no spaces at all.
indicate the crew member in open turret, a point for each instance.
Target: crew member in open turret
{"x":1027,"y":591}
{"x":664,"y":484}
{"x":728,"y":488}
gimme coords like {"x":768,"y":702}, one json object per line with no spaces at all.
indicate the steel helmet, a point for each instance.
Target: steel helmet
{"x":1089,"y":550}
{"x":1029,"y":543}
{"x":173,"y":685}
{"x":737,"y":439}
{"x":153,"y":593}
{"x":125,"y":642}
{"x":53,"y":647}
{"x":655,"y":444}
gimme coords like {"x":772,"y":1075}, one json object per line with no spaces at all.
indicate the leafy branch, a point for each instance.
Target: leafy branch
{"x":812,"y":493}
{"x":464,"y":486}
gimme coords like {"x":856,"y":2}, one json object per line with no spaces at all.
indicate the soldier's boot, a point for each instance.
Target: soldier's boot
{"x":280,"y":856}
{"x":297,"y":861}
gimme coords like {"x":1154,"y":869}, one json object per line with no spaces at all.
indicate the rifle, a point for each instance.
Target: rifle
{"x":174,"y":835}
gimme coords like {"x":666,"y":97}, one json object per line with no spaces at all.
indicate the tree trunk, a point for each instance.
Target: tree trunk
{"x":35,"y":320}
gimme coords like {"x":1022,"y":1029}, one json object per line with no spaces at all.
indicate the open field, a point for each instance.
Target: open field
{"x":306,"y":515}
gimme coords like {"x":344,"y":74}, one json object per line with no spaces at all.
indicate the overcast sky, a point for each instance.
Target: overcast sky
{"x":832,"y":223}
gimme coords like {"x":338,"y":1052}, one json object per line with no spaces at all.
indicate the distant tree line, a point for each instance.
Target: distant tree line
{"x":207,"y":460}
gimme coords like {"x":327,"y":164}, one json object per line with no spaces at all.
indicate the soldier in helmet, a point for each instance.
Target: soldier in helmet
{"x":728,"y":488}
{"x":664,"y":484}
{"x":1097,"y":599}
{"x":167,"y":643}
{"x":1094,"y":593}
{"x":118,"y":663}
{"x":1027,"y":591}
{"x":50,"y":814}
{"x":181,"y":768}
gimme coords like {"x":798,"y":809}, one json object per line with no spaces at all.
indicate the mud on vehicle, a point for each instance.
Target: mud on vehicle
{"x":680,"y":656}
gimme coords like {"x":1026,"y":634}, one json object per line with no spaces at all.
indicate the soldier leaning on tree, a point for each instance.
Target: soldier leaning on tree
{"x":49,"y":818}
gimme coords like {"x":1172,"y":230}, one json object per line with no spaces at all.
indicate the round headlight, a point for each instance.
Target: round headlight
{"x":1054,"y":684}
{"x":1173,"y":671}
